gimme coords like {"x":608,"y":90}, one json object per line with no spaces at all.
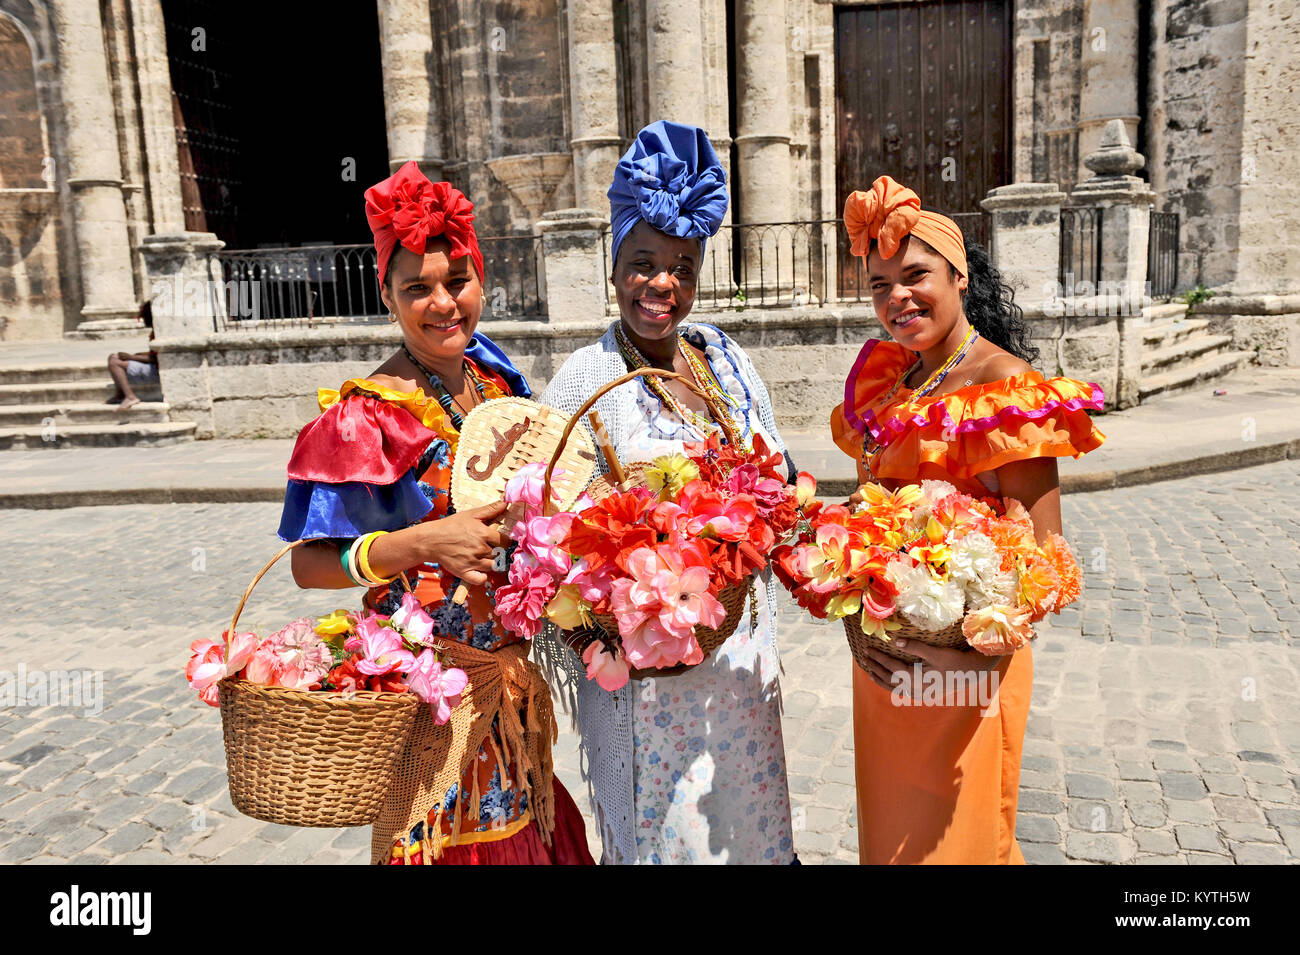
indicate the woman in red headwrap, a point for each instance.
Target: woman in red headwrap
{"x":951,"y":398}
{"x":368,"y":482}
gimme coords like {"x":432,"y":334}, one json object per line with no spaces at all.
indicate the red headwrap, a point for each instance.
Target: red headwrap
{"x":408,"y":208}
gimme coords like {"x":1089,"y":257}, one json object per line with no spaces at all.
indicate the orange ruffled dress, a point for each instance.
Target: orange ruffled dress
{"x":940,"y":784}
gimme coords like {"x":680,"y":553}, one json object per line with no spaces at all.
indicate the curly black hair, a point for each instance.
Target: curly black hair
{"x":990,"y":305}
{"x":989,"y":302}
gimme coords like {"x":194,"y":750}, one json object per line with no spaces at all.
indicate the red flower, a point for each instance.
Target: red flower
{"x":609,"y":531}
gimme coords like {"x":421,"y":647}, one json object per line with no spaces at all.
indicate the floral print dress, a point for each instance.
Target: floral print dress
{"x":709,"y":773}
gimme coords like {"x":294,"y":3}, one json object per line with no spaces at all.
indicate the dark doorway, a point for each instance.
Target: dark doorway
{"x":923,"y":94}
{"x":280,"y":118}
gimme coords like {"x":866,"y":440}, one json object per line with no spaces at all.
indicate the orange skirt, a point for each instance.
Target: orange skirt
{"x":939,"y":784}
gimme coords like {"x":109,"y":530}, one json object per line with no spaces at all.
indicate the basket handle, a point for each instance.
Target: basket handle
{"x":723,"y":419}
{"x":234,"y":621}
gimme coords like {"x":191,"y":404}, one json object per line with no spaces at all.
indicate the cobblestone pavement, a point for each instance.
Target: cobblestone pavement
{"x":1165,"y":725}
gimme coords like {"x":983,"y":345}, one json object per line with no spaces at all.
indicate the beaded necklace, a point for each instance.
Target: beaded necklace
{"x":871,"y":448}
{"x":444,"y":396}
{"x":703,"y":376}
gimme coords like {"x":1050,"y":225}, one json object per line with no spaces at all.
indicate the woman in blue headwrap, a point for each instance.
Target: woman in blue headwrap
{"x":687,"y":767}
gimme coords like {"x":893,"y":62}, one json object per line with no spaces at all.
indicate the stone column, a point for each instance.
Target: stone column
{"x":763,"y":175}
{"x":187,"y":292}
{"x":1125,"y":201}
{"x":675,"y":57}
{"x":410,"y":101}
{"x":94,"y":172}
{"x":1108,"y":73}
{"x":1025,"y":233}
{"x":593,"y":98}
{"x":153,"y":77}
{"x":574,"y":267}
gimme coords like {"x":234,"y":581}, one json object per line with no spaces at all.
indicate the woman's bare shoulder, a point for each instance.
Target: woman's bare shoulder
{"x":1000,"y":364}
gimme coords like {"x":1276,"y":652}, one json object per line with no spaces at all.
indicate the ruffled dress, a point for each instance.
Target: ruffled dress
{"x":940,"y":784}
{"x":377,"y":459}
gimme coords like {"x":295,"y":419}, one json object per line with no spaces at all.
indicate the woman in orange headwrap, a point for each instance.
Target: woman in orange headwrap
{"x":951,"y":398}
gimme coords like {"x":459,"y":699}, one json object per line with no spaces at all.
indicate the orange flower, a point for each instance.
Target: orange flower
{"x":997,"y":629}
{"x":1058,"y":554}
{"x":890,"y":510}
{"x":1040,"y":587}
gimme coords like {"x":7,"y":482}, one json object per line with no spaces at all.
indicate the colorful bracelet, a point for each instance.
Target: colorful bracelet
{"x":363,"y":560}
{"x":345,"y":560}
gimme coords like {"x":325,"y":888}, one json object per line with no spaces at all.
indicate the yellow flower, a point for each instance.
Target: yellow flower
{"x":567,"y":610}
{"x":334,"y":623}
{"x":879,"y":628}
{"x":667,"y":475}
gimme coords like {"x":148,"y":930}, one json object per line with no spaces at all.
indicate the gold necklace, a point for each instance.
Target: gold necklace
{"x":873,"y":448}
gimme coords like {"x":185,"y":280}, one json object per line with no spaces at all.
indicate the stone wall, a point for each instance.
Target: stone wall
{"x":1198,"y":76}
{"x":263,"y":384}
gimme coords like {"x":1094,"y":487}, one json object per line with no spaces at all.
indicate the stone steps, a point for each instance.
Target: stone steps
{"x":1161,"y":311}
{"x":64,"y":371}
{"x":1184,"y":351}
{"x":1165,"y":333}
{"x":1197,"y":374}
{"x":56,"y":392}
{"x":127,"y":434}
{"x":76,"y":412}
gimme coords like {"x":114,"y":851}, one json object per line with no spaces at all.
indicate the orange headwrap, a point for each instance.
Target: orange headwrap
{"x":889,"y":213}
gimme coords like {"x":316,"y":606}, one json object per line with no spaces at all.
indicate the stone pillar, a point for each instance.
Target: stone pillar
{"x":153,"y":77}
{"x":675,"y":57}
{"x":187,"y":293}
{"x":410,"y":101}
{"x":1125,"y":201}
{"x":593,"y":97}
{"x":94,"y":172}
{"x":1025,"y":233}
{"x":1108,"y":72}
{"x":573,"y":264}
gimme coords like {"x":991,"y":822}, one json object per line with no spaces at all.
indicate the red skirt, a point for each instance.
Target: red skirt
{"x":525,"y":847}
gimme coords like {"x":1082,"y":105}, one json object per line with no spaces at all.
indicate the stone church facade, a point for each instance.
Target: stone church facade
{"x":136,"y":136}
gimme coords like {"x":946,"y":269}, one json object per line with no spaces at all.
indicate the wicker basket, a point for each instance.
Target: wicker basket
{"x":860,"y":642}
{"x":622,"y":477}
{"x":304,"y":758}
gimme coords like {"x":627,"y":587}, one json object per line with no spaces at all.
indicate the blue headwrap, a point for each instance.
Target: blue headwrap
{"x":671,"y":178}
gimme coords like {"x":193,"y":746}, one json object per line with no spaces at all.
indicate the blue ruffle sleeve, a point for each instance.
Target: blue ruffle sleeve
{"x":315,"y":509}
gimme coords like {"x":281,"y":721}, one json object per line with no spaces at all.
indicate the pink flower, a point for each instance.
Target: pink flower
{"x":263,"y":666}
{"x":301,"y":656}
{"x":209,"y":665}
{"x":768,"y":493}
{"x":526,"y":486}
{"x":381,"y":650}
{"x":540,"y":538}
{"x":440,"y":688}
{"x":658,"y":609}
{"x":607,"y":667}
{"x":714,"y":515}
{"x":411,"y":619}
{"x":521,"y":603}
{"x":593,"y":586}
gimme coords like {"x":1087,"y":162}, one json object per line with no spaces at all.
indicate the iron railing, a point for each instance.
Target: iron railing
{"x":1080,"y":260}
{"x":316,"y":285}
{"x":1162,"y":254}
{"x":786,"y":264}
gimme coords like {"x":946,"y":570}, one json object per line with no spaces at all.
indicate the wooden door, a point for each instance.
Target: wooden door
{"x":923,"y":94}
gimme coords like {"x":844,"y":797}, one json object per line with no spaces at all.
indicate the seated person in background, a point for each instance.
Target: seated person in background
{"x":126,"y":368}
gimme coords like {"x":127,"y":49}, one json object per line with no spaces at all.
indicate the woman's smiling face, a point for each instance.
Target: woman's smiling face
{"x":437,"y":300}
{"x":654,"y":281}
{"x":916,"y":295}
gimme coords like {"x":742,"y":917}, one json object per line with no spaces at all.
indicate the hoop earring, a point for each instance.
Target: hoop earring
{"x":391,"y":317}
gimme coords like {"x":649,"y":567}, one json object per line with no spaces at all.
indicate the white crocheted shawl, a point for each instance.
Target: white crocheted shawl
{"x":604,"y":719}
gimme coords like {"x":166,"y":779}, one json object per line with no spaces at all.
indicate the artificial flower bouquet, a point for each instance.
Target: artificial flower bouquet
{"x":945,"y":567}
{"x":654,"y":565}
{"x":344,"y":652}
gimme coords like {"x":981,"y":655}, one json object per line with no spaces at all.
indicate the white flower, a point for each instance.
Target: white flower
{"x":936,"y":490}
{"x":998,"y":589}
{"x":928,"y":603}
{"x":974,"y":559}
